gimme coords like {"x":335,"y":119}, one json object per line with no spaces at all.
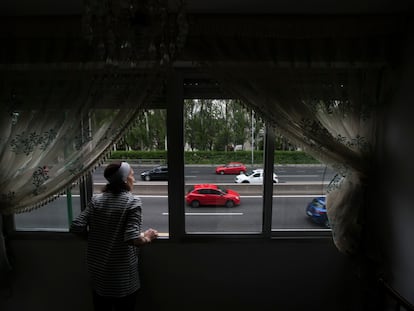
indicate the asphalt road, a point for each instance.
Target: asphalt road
{"x":206,"y":173}
{"x":288,"y":213}
{"x":288,"y":210}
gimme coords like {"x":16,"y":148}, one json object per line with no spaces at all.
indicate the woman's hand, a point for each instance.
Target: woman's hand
{"x":146,"y":237}
{"x":150,"y":234}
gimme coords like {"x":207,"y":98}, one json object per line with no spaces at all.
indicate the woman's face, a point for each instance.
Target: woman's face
{"x":130,"y":179}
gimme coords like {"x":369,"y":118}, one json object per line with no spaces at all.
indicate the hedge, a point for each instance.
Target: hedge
{"x":216,"y":157}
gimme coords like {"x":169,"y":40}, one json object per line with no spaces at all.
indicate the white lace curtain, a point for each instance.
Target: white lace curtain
{"x":56,"y":126}
{"x":322,"y":91}
{"x":335,"y":120}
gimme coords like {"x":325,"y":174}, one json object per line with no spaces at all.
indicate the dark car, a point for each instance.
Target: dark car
{"x":156,"y":173}
{"x":316,"y":210}
{"x":211,"y":195}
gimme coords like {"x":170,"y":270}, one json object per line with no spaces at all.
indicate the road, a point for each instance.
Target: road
{"x":206,"y":174}
{"x":288,"y":213}
{"x":288,"y":210}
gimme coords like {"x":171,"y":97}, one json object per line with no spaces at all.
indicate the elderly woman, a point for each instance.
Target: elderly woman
{"x":112,"y":225}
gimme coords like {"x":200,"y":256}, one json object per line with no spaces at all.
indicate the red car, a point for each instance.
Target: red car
{"x":211,"y":195}
{"x":231,"y":168}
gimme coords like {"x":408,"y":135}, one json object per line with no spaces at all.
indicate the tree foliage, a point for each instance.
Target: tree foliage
{"x":149,"y":133}
{"x":209,"y":125}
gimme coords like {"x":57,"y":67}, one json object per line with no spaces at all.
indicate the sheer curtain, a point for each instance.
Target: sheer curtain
{"x":57,"y":124}
{"x":323,"y":91}
{"x":334,"y":120}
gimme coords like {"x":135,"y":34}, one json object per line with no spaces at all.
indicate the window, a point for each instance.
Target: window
{"x":147,"y":144}
{"x":55,"y":216}
{"x":299,"y":187}
{"x":149,"y":135}
{"x":225,"y":149}
{"x":212,"y":130}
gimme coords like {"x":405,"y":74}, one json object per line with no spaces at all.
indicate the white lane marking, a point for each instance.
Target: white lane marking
{"x":151,"y":196}
{"x":286,"y":196}
{"x":302,"y":230}
{"x":297,"y":176}
{"x":251,"y":196}
{"x":210,"y":214}
{"x":242,"y":196}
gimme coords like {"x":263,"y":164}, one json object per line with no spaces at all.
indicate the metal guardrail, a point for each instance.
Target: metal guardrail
{"x":143,"y":161}
{"x":304,"y":188}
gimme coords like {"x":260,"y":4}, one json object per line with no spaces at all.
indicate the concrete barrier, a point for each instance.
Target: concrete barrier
{"x":161,"y":188}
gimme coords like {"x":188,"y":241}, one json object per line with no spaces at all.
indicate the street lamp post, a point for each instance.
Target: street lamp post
{"x":252,"y":138}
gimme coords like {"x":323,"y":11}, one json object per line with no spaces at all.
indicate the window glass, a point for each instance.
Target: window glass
{"x":55,"y":216}
{"x":144,"y":147}
{"x":224,"y":145}
{"x":223,"y":140}
{"x":299,"y":195}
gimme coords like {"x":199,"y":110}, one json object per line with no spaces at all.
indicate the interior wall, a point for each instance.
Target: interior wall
{"x":397,"y":175}
{"x":291,"y":274}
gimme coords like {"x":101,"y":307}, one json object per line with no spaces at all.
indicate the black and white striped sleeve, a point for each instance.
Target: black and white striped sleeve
{"x":133,"y":220}
{"x":80,"y":224}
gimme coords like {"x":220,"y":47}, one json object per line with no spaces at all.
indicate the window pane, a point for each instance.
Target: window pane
{"x":220,"y":137}
{"x":148,"y":135}
{"x":148,"y":140}
{"x":299,"y":195}
{"x":51,"y":217}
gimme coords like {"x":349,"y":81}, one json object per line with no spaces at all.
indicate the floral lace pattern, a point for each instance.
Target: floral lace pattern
{"x":46,"y":147}
{"x":26,"y":143}
{"x":334,"y":120}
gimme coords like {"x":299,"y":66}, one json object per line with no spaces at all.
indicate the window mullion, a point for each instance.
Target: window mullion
{"x":175,"y":156}
{"x":268,"y":181}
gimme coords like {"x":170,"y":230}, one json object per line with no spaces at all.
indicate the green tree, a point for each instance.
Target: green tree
{"x":208,"y":125}
{"x":240,"y":122}
{"x":157,"y":120}
{"x":149,"y":132}
{"x":190,"y":123}
{"x":202,"y":122}
{"x":215,"y":124}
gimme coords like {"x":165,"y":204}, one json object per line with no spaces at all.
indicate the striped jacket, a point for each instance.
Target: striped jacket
{"x":110,"y":220}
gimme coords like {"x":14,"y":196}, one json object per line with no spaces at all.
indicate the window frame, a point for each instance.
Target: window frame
{"x":178,"y":88}
{"x":176,"y":91}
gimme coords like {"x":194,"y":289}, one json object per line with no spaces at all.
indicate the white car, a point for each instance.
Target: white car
{"x":254,"y":177}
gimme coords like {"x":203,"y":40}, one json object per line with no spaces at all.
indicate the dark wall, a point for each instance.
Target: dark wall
{"x":284,"y":274}
{"x":397,"y":171}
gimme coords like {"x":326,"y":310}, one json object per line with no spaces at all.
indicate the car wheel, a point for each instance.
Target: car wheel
{"x":245,"y":182}
{"x":327,"y":224}
{"x":242,"y":172}
{"x":195,"y":203}
{"x":221,"y":172}
{"x":229,"y":204}
{"x":147,"y":178}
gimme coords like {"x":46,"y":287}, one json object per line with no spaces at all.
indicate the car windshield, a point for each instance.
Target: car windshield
{"x":222,"y":189}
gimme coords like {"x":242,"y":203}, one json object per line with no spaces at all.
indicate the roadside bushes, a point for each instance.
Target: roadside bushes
{"x":215,"y":157}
